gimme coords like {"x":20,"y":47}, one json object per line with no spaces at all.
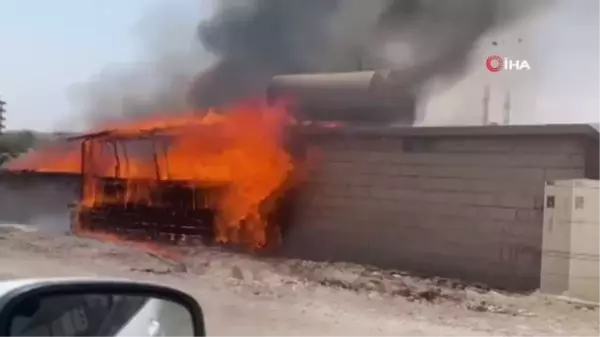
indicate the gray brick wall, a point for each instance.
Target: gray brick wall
{"x":37,"y":200}
{"x":455,"y":206}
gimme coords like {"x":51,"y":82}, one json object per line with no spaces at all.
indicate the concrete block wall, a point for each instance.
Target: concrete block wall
{"x":455,"y":202}
{"x":38,"y":199}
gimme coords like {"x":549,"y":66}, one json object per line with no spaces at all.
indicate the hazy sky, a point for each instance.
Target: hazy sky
{"x":49,"y":45}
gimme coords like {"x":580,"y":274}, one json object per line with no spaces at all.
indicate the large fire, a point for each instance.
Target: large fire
{"x":240,"y":150}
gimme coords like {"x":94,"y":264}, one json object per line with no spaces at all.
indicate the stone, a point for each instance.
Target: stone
{"x":242,"y":274}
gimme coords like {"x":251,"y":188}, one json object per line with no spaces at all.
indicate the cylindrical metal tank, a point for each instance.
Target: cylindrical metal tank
{"x":362,"y":97}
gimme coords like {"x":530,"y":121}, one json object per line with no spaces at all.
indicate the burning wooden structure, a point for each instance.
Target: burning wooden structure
{"x":190,"y":176}
{"x":153,"y":207}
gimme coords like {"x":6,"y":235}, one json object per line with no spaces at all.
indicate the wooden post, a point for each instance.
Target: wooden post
{"x":82,"y":169}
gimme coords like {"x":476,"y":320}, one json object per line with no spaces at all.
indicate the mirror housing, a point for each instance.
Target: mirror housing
{"x":149,"y":308}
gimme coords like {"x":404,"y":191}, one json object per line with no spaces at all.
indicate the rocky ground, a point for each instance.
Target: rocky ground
{"x":242,"y":295}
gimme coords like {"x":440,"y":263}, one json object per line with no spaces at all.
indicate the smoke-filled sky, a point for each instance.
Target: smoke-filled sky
{"x":115,"y":49}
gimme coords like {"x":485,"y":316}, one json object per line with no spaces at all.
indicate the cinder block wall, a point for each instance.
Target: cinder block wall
{"x":456,"y":202}
{"x":38,"y":199}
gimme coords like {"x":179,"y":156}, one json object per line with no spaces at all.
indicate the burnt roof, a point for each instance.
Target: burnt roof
{"x":118,"y":134}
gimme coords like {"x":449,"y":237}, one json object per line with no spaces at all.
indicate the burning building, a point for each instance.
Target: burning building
{"x":216,"y":176}
{"x":462,"y":202}
{"x":221,"y":176}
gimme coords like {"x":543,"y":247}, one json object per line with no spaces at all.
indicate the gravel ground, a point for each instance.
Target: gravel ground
{"x":242,"y":295}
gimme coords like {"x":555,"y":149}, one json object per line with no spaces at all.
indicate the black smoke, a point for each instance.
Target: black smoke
{"x":256,"y":39}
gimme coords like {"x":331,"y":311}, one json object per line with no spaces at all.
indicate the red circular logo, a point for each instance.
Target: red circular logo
{"x":494,"y":63}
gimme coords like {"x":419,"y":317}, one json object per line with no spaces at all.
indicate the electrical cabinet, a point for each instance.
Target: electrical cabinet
{"x":570,"y":245}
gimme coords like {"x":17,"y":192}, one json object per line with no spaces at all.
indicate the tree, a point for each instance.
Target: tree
{"x":12,"y":144}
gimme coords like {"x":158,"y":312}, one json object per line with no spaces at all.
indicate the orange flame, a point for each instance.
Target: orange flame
{"x":241,"y":151}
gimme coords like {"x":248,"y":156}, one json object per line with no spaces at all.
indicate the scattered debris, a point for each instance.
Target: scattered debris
{"x":178,"y":267}
{"x":152,"y":271}
{"x":579,"y":304}
{"x":242,"y":274}
{"x":392,"y":283}
{"x":484,"y":306}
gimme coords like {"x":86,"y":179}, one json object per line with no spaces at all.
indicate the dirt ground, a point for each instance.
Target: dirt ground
{"x":242,"y":295}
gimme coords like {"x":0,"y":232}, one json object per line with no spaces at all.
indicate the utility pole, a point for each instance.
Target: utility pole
{"x":2,"y":117}
{"x":486,"y":105}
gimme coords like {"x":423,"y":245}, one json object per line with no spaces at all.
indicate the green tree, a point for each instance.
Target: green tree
{"x":12,"y":144}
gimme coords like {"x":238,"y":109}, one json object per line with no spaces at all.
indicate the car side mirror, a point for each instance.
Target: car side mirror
{"x":59,"y":307}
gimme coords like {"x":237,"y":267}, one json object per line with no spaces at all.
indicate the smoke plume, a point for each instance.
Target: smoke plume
{"x":236,"y":51}
{"x":257,"y":39}
{"x":158,"y":78}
